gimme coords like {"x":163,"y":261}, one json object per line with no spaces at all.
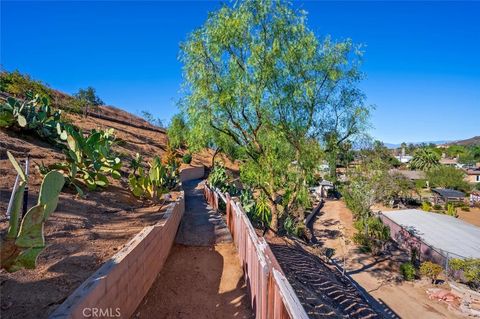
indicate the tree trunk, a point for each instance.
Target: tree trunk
{"x":333,"y":167}
{"x":217,"y":150}
{"x":274,"y":222}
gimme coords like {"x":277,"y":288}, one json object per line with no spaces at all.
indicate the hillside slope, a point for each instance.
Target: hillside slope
{"x":470,"y":141}
{"x":83,"y":232}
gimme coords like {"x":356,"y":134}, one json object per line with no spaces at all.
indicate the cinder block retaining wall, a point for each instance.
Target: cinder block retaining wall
{"x":116,"y":289}
{"x":191,"y":173}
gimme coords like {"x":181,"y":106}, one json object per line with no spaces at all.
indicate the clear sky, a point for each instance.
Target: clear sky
{"x":422,"y":59}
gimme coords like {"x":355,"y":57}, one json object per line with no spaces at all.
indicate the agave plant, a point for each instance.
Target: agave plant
{"x":262,"y":210}
{"x":34,"y":114}
{"x":24,"y":239}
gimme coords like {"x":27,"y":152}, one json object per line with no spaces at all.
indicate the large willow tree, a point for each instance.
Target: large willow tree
{"x":259,"y":81}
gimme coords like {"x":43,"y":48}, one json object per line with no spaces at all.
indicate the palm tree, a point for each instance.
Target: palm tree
{"x":425,"y":159}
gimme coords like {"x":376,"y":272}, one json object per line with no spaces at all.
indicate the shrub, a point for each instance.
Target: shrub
{"x":466,"y":208}
{"x":451,"y":211}
{"x":448,"y":177}
{"x":218,"y":176}
{"x":293,"y":227}
{"x":470,"y":268}
{"x":437,"y":207}
{"x":262,"y":210}
{"x":187,"y":158}
{"x":247,"y":201}
{"x":426,"y":206}
{"x":430,"y":270}
{"x":363,"y":241}
{"x":19,"y":85}
{"x":408,"y":271}
{"x":420,"y":183}
{"x":372,"y":234}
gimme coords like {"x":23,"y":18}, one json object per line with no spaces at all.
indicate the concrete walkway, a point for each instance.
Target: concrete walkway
{"x":200,"y":225}
{"x":202,"y":277}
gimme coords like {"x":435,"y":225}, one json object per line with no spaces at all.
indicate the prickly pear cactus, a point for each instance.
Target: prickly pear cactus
{"x":25,"y":240}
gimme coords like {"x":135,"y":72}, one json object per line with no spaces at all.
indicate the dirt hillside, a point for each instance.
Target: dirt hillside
{"x":83,"y":232}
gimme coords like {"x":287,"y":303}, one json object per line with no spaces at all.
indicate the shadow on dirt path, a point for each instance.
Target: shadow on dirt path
{"x":202,"y":277}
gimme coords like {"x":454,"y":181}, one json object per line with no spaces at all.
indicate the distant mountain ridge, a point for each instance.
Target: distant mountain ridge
{"x":393,"y":145}
{"x":470,"y":141}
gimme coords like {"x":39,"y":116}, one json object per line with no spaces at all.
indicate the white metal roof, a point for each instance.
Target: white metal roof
{"x":443,"y":232}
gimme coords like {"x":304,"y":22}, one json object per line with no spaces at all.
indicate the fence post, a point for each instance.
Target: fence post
{"x":227,"y":196}
{"x":446,"y":263}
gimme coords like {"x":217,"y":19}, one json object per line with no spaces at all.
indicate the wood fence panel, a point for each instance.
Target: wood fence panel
{"x":271,"y":295}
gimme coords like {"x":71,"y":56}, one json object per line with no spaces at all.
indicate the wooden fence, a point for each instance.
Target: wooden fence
{"x":271,"y":295}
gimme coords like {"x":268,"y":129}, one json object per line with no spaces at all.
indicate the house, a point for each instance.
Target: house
{"x":473,"y":175}
{"x":446,"y":195}
{"x":404,"y":158}
{"x":451,"y":162}
{"x":321,"y":191}
{"x":475,"y":198}
{"x":411,"y":175}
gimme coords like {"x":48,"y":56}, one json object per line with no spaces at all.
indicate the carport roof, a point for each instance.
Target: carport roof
{"x":449,"y":193}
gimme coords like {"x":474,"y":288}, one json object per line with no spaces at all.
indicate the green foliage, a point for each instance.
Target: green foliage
{"x":34,"y":115}
{"x":448,"y":177}
{"x":151,"y":119}
{"x":293,"y":227}
{"x":329,"y":253}
{"x":247,"y":201}
{"x":257,"y":81}
{"x":426,"y":206}
{"x":89,"y":96}
{"x":218,"y":176}
{"x":420,"y":183}
{"x":177,"y":131}
{"x":451,"y":210}
{"x":372,"y":234}
{"x":25,"y":239}
{"x":470,"y":268}
{"x":430,"y":270}
{"x":85,"y":99}
{"x":187,"y":158}
{"x":136,"y":162}
{"x":158,"y":180}
{"x":257,"y":210}
{"x":90,"y":159}
{"x":408,"y":271}
{"x":20,"y":85}
{"x":425,"y":159}
{"x":262,"y":211}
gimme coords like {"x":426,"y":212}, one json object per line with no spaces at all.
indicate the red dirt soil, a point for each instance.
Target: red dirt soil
{"x":83,"y":232}
{"x":379,"y":276}
{"x":198,"y":282}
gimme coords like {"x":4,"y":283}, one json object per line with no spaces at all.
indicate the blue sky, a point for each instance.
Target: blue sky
{"x":422,"y":58}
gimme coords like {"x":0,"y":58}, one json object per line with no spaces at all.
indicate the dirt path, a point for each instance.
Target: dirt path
{"x":378,"y":276}
{"x":202,"y":277}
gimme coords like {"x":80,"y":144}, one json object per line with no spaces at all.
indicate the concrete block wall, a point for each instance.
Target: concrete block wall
{"x":191,"y":173}
{"x":116,"y":289}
